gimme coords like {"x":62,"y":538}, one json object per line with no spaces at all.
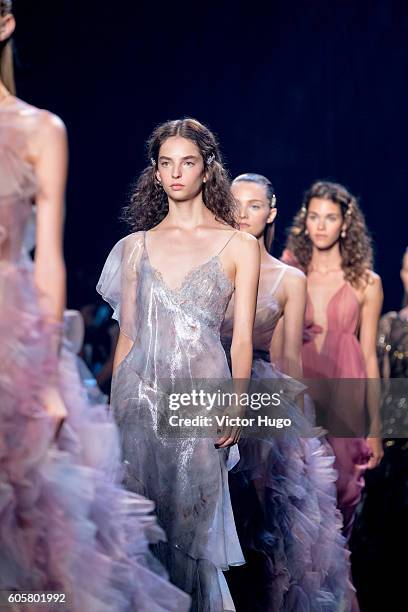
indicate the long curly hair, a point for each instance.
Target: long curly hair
{"x":149,"y":204}
{"x":355,"y":247}
{"x":6,"y":52}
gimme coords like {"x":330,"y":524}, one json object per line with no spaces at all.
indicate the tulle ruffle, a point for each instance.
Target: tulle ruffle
{"x":64,"y":524}
{"x":284,"y":500}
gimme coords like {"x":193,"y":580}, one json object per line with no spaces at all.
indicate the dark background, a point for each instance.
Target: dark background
{"x":295,"y":90}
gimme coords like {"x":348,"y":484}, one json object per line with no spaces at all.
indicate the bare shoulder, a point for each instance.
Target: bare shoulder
{"x":38,"y":127}
{"x":49,"y":126}
{"x":244,"y":240}
{"x":291,"y":276}
{"x":373,"y":283}
{"x":294,"y":283}
{"x":37,"y":119}
{"x":294,"y":276}
{"x":244,"y":247}
{"x":372,"y":290}
{"x":45,"y":132}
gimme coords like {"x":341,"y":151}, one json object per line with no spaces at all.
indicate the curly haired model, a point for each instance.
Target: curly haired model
{"x":352,"y":234}
{"x":329,"y":241}
{"x":149,"y":201}
{"x":169,"y":283}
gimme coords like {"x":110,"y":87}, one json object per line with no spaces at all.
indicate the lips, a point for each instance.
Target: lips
{"x":177,"y":185}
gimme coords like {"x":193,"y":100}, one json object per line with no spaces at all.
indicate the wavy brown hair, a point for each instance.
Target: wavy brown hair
{"x":6,"y":52}
{"x":149,"y":204}
{"x":355,"y":248}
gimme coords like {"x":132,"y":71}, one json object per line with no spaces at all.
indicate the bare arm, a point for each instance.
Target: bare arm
{"x":50,"y":162}
{"x":276,"y":346}
{"x":370,"y":314}
{"x":123,"y":347}
{"x":286,"y":348}
{"x":51,"y":171}
{"x":247,"y":265}
{"x":246,"y":291}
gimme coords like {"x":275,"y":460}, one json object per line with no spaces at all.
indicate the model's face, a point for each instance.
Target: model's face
{"x":253,"y":206}
{"x":324,"y":222}
{"x":180,"y":168}
{"x":404,"y":272}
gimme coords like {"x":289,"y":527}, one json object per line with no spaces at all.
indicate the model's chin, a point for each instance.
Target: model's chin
{"x":181,"y":195}
{"x":324,"y":244}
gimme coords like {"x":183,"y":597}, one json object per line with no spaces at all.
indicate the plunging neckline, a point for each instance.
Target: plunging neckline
{"x":329,"y":304}
{"x":344,"y":283}
{"x":190,"y":273}
{"x":335,"y":294}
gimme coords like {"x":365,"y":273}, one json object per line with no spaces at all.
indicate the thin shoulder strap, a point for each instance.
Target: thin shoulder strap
{"x":278,"y":279}
{"x":228,"y":241}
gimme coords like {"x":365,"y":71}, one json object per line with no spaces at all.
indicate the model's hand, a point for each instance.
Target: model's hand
{"x":229,"y":435}
{"x":376,"y":447}
{"x":231,"y":430}
{"x":54,"y":405}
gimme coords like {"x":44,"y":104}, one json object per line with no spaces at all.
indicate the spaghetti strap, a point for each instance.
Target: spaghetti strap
{"x":278,"y":280}
{"x":228,"y":241}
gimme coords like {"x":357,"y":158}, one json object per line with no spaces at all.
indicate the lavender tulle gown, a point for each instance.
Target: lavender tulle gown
{"x":283,"y":496}
{"x":176,"y":335}
{"x":64,"y":525}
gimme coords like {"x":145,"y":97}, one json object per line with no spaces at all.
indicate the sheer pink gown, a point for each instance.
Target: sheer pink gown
{"x":340,"y":357}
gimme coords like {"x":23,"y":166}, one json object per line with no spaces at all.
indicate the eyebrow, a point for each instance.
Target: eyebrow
{"x":164,"y":157}
{"x":314,"y":212}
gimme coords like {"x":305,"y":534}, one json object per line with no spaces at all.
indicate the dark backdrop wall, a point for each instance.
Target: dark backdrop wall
{"x":295,"y":90}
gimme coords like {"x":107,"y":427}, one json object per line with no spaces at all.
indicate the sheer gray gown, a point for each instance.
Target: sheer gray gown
{"x":176,"y":334}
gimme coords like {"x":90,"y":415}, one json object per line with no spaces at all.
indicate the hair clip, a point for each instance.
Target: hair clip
{"x":273,"y":201}
{"x":210,"y":159}
{"x":153,"y":162}
{"x":303,"y":210}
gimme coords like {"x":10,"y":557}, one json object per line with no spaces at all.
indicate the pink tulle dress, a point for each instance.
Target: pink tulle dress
{"x":64,"y":524}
